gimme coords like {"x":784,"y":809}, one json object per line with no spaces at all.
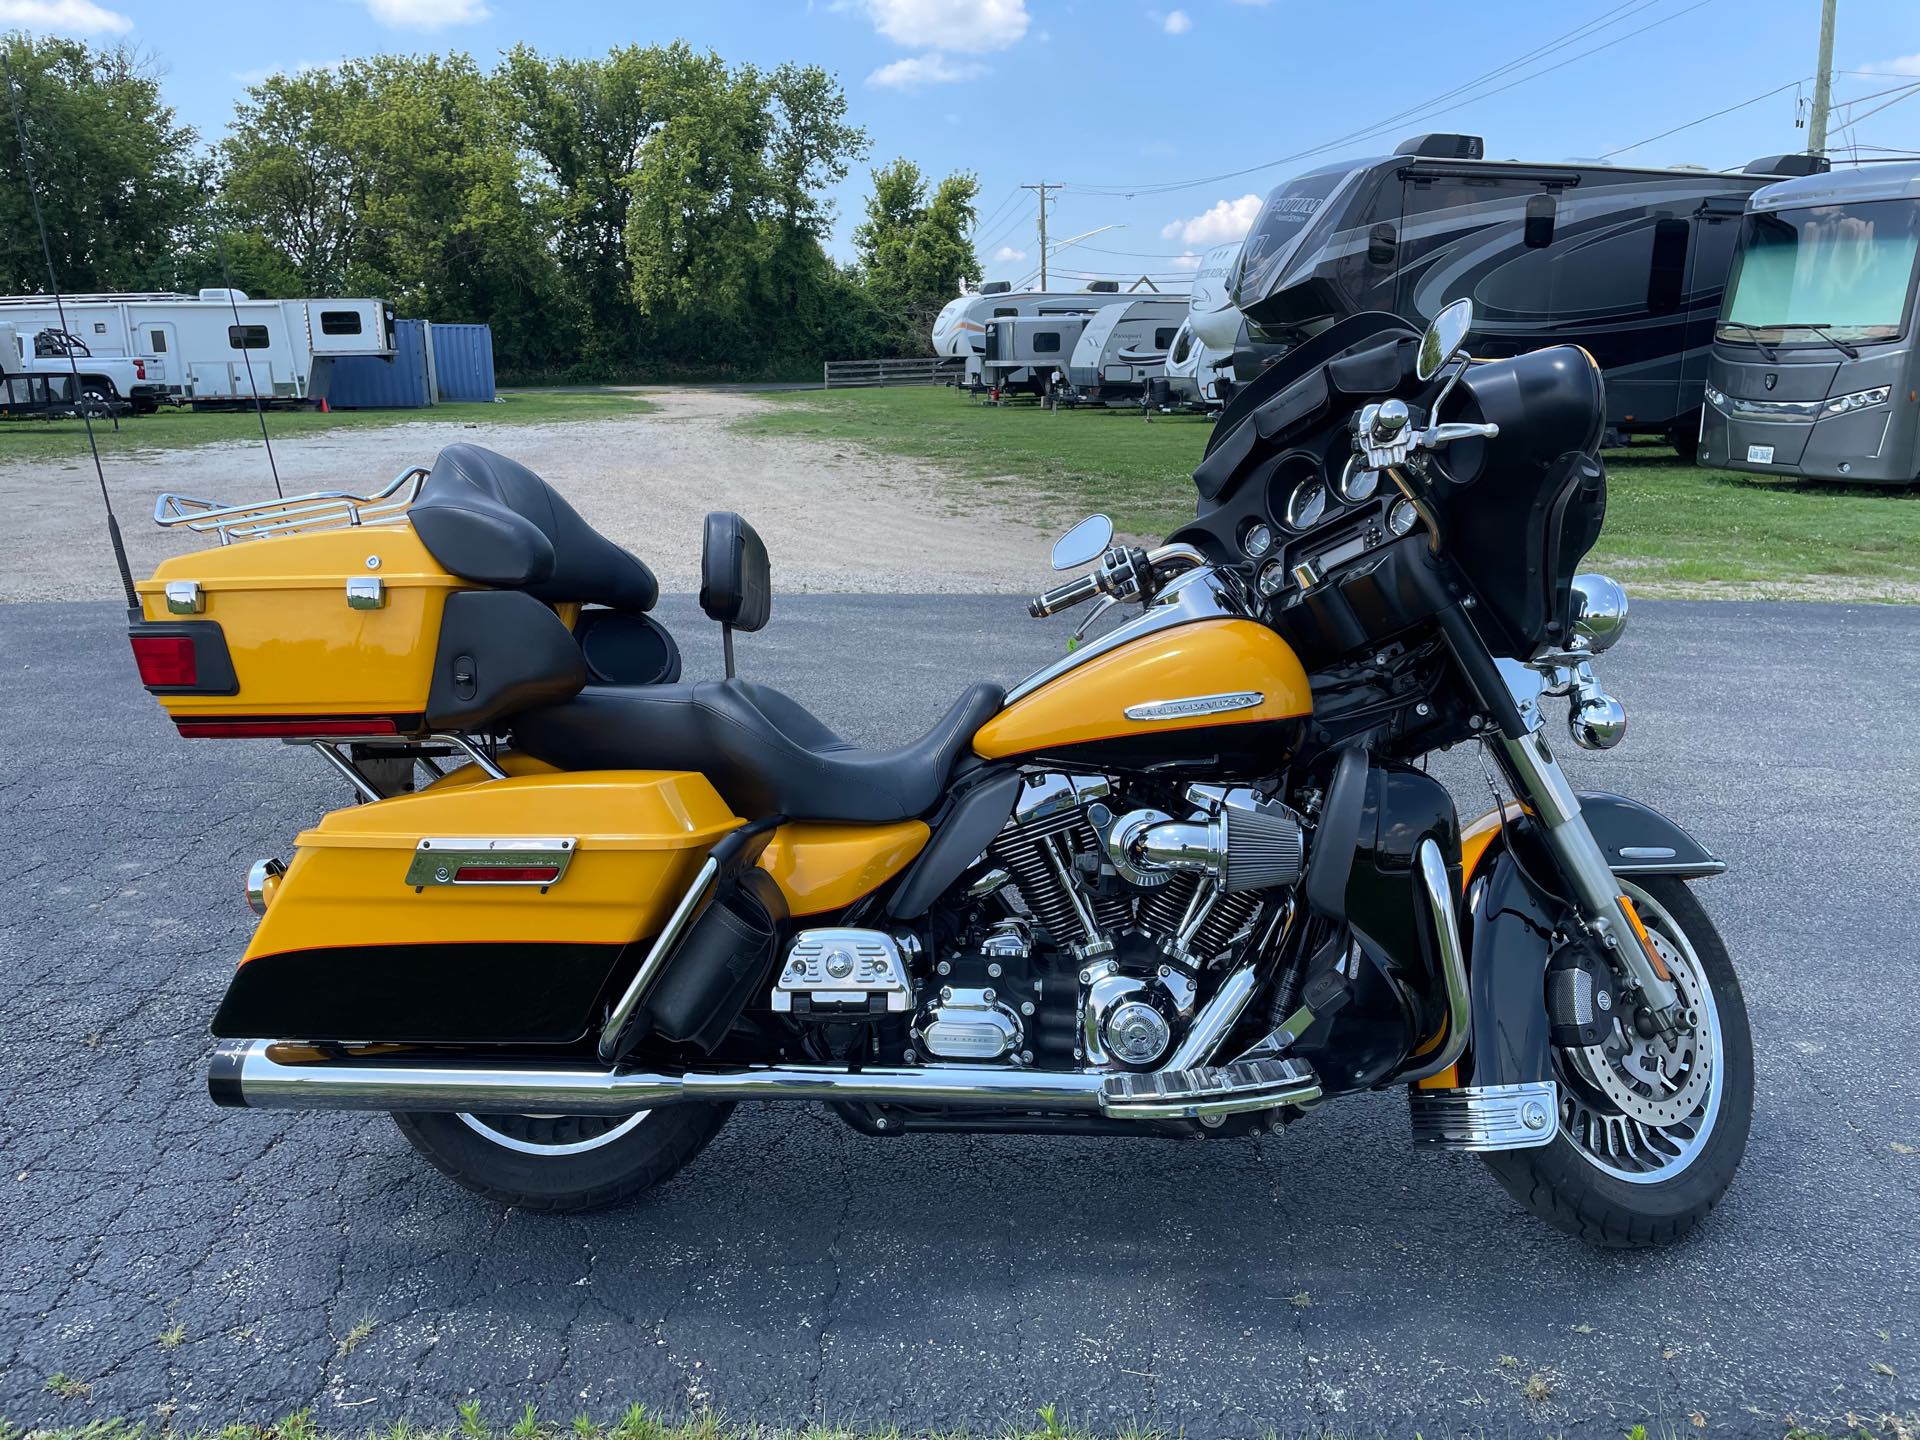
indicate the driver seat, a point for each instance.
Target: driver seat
{"x":764,"y":752}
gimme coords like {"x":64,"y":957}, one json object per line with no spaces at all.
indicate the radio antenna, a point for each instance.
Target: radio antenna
{"x":73,"y":364}
{"x":246,"y":354}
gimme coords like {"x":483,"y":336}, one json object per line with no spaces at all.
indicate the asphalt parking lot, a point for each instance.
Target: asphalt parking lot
{"x":1327,"y":1278}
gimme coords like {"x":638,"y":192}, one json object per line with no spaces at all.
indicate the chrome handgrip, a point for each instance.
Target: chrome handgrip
{"x":1064,"y":597}
{"x":1437,"y":435}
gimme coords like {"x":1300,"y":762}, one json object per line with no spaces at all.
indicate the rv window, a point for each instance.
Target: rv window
{"x":1667,"y":280}
{"x":247,"y":337}
{"x":339,"y":322}
{"x":1541,"y":210}
{"x":1046,"y":342}
{"x":157,"y":341}
{"x":1002,"y":311}
{"x":1383,"y":244}
{"x":1163,"y":337}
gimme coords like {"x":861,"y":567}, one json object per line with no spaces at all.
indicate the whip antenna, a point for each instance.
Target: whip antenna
{"x":60,"y":309}
{"x":246,"y":354}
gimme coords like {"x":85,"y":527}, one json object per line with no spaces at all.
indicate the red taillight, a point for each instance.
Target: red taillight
{"x":506,"y":874}
{"x":278,"y":728}
{"x":165,"y":660}
{"x":139,"y":369}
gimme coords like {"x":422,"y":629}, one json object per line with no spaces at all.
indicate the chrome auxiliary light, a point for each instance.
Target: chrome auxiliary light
{"x":1595,"y":719}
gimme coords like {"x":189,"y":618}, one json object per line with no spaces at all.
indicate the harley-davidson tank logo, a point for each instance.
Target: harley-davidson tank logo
{"x":1771,"y":380}
{"x":1192,"y":705}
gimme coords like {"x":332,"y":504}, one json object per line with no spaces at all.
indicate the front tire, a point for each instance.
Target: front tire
{"x":1621,"y":1183}
{"x":563,"y":1164}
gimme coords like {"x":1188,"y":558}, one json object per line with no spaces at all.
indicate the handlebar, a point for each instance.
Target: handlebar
{"x":1064,"y":597}
{"x":1124,"y":573}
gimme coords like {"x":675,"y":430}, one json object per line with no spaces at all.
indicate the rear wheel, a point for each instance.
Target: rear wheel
{"x":1650,"y":1133}
{"x":563,"y":1162}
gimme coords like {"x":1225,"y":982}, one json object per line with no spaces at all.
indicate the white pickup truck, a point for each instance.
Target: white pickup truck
{"x":106,"y":383}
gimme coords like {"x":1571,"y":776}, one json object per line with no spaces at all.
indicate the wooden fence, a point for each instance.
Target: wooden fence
{"x":932,"y":370}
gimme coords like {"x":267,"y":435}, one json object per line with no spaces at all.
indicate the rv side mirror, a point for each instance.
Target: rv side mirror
{"x":1382,"y":244}
{"x":1541,"y":210}
{"x":1444,"y":338}
{"x":1083,"y":544}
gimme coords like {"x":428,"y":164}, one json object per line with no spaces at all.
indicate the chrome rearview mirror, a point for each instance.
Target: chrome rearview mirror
{"x":1083,"y":544}
{"x":1444,"y":338}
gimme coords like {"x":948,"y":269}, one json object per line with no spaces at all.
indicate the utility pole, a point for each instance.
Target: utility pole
{"x":1041,"y":190}
{"x":1822,"y":83}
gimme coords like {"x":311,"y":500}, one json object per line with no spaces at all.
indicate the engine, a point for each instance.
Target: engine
{"x":1088,"y":934}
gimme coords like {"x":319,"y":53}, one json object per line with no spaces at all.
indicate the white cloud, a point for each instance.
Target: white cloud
{"x":1007,"y":252}
{"x":1226,"y":220}
{"x":426,"y":14}
{"x":916,"y":72}
{"x":973,"y":27}
{"x":1176,"y":23}
{"x":64,"y":17}
{"x":264,"y":73}
{"x":1903,"y":65}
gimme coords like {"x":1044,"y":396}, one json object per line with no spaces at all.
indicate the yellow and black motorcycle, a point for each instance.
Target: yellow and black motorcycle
{"x":1190,"y":880}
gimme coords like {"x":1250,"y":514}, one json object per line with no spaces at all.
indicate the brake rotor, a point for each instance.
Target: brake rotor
{"x":1651,"y":1078}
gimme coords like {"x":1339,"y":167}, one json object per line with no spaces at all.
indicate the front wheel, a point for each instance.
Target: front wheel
{"x":1650,"y":1134}
{"x":563,"y":1163}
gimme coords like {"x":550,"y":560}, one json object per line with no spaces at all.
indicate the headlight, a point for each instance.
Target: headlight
{"x":1599,"y":611}
{"x":1716,"y":399}
{"x":1858,"y":400}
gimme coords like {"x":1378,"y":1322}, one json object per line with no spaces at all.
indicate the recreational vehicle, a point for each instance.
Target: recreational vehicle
{"x":1022,"y":352}
{"x":1199,"y":374}
{"x":220,"y":345}
{"x":961,"y":327}
{"x":1123,"y":347}
{"x":1628,"y":262}
{"x":1814,"y":366}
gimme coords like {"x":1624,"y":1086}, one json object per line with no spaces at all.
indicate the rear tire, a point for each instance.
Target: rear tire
{"x":563,"y":1164}
{"x":1566,"y":1185}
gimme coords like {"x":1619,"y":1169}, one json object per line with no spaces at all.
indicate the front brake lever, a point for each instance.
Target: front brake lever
{"x":1107,"y":602}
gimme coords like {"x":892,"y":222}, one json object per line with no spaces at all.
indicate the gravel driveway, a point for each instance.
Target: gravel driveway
{"x":1327,"y":1279}
{"x":833,"y":520}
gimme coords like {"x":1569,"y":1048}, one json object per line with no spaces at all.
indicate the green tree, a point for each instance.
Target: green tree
{"x":914,"y":248}
{"x":117,"y":174}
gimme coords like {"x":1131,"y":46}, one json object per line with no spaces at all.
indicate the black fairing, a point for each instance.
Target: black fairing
{"x":1517,"y":513}
{"x":1510,"y":942}
{"x":1384,"y":903}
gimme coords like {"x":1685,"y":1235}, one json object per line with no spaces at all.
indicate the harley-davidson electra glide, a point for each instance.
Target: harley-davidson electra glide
{"x":1189,"y":881}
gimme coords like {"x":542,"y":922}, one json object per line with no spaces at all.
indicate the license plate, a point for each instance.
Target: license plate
{"x":1759,"y":454}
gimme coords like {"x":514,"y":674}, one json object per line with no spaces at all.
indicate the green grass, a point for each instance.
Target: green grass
{"x":1672,"y":529}
{"x":179,"y":429}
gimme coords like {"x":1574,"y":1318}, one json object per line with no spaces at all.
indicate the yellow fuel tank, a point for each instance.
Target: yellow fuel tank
{"x":1140,"y":703}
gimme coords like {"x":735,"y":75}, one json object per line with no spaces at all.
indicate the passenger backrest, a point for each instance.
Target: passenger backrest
{"x":493,"y":521}
{"x":736,"y":582}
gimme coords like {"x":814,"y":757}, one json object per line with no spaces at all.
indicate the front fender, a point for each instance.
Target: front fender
{"x":1511,"y":922}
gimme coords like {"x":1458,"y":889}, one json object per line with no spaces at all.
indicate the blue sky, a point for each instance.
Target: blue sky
{"x":1121,"y":99}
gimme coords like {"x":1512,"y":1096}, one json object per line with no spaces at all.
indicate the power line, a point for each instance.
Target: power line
{"x":1041,"y":190}
{"x":1741,"y":105}
{"x":1441,"y":103}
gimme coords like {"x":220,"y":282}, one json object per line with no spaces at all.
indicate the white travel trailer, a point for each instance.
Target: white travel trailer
{"x":961,"y":327}
{"x":220,"y":345}
{"x":1023,"y":351}
{"x":1199,"y":373}
{"x":1123,"y":347}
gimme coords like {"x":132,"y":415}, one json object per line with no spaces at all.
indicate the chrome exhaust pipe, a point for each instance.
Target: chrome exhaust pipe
{"x":287,"y":1075}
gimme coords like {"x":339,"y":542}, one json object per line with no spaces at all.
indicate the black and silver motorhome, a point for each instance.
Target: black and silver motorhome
{"x":1628,"y":262}
{"x":1815,"y":371}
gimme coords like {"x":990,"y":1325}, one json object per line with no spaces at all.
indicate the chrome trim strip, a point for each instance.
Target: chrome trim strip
{"x":1740,"y":408}
{"x":1194,"y":705}
{"x":1484,"y":1118}
{"x":1201,"y":594}
{"x":1438,"y":886}
{"x":438,"y":860}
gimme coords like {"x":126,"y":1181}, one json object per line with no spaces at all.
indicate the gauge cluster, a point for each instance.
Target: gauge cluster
{"x":1312,"y":511}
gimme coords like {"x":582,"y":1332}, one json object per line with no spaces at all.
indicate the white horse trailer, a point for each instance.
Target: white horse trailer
{"x":219,"y":346}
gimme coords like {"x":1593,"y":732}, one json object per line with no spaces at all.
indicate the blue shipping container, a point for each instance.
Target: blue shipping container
{"x":463,"y":362}
{"x":371,"y":382}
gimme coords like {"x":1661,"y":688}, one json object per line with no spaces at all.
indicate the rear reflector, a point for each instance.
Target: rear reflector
{"x":166,"y":660}
{"x":287,"y":727}
{"x":506,"y":874}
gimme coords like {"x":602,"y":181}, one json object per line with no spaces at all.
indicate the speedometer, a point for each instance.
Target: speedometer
{"x":1307,"y":504}
{"x":1357,"y":481}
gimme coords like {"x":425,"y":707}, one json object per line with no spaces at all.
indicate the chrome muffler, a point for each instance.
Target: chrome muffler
{"x":288,"y":1075}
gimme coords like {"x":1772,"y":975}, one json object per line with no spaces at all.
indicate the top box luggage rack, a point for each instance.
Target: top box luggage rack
{"x":316,"y":510}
